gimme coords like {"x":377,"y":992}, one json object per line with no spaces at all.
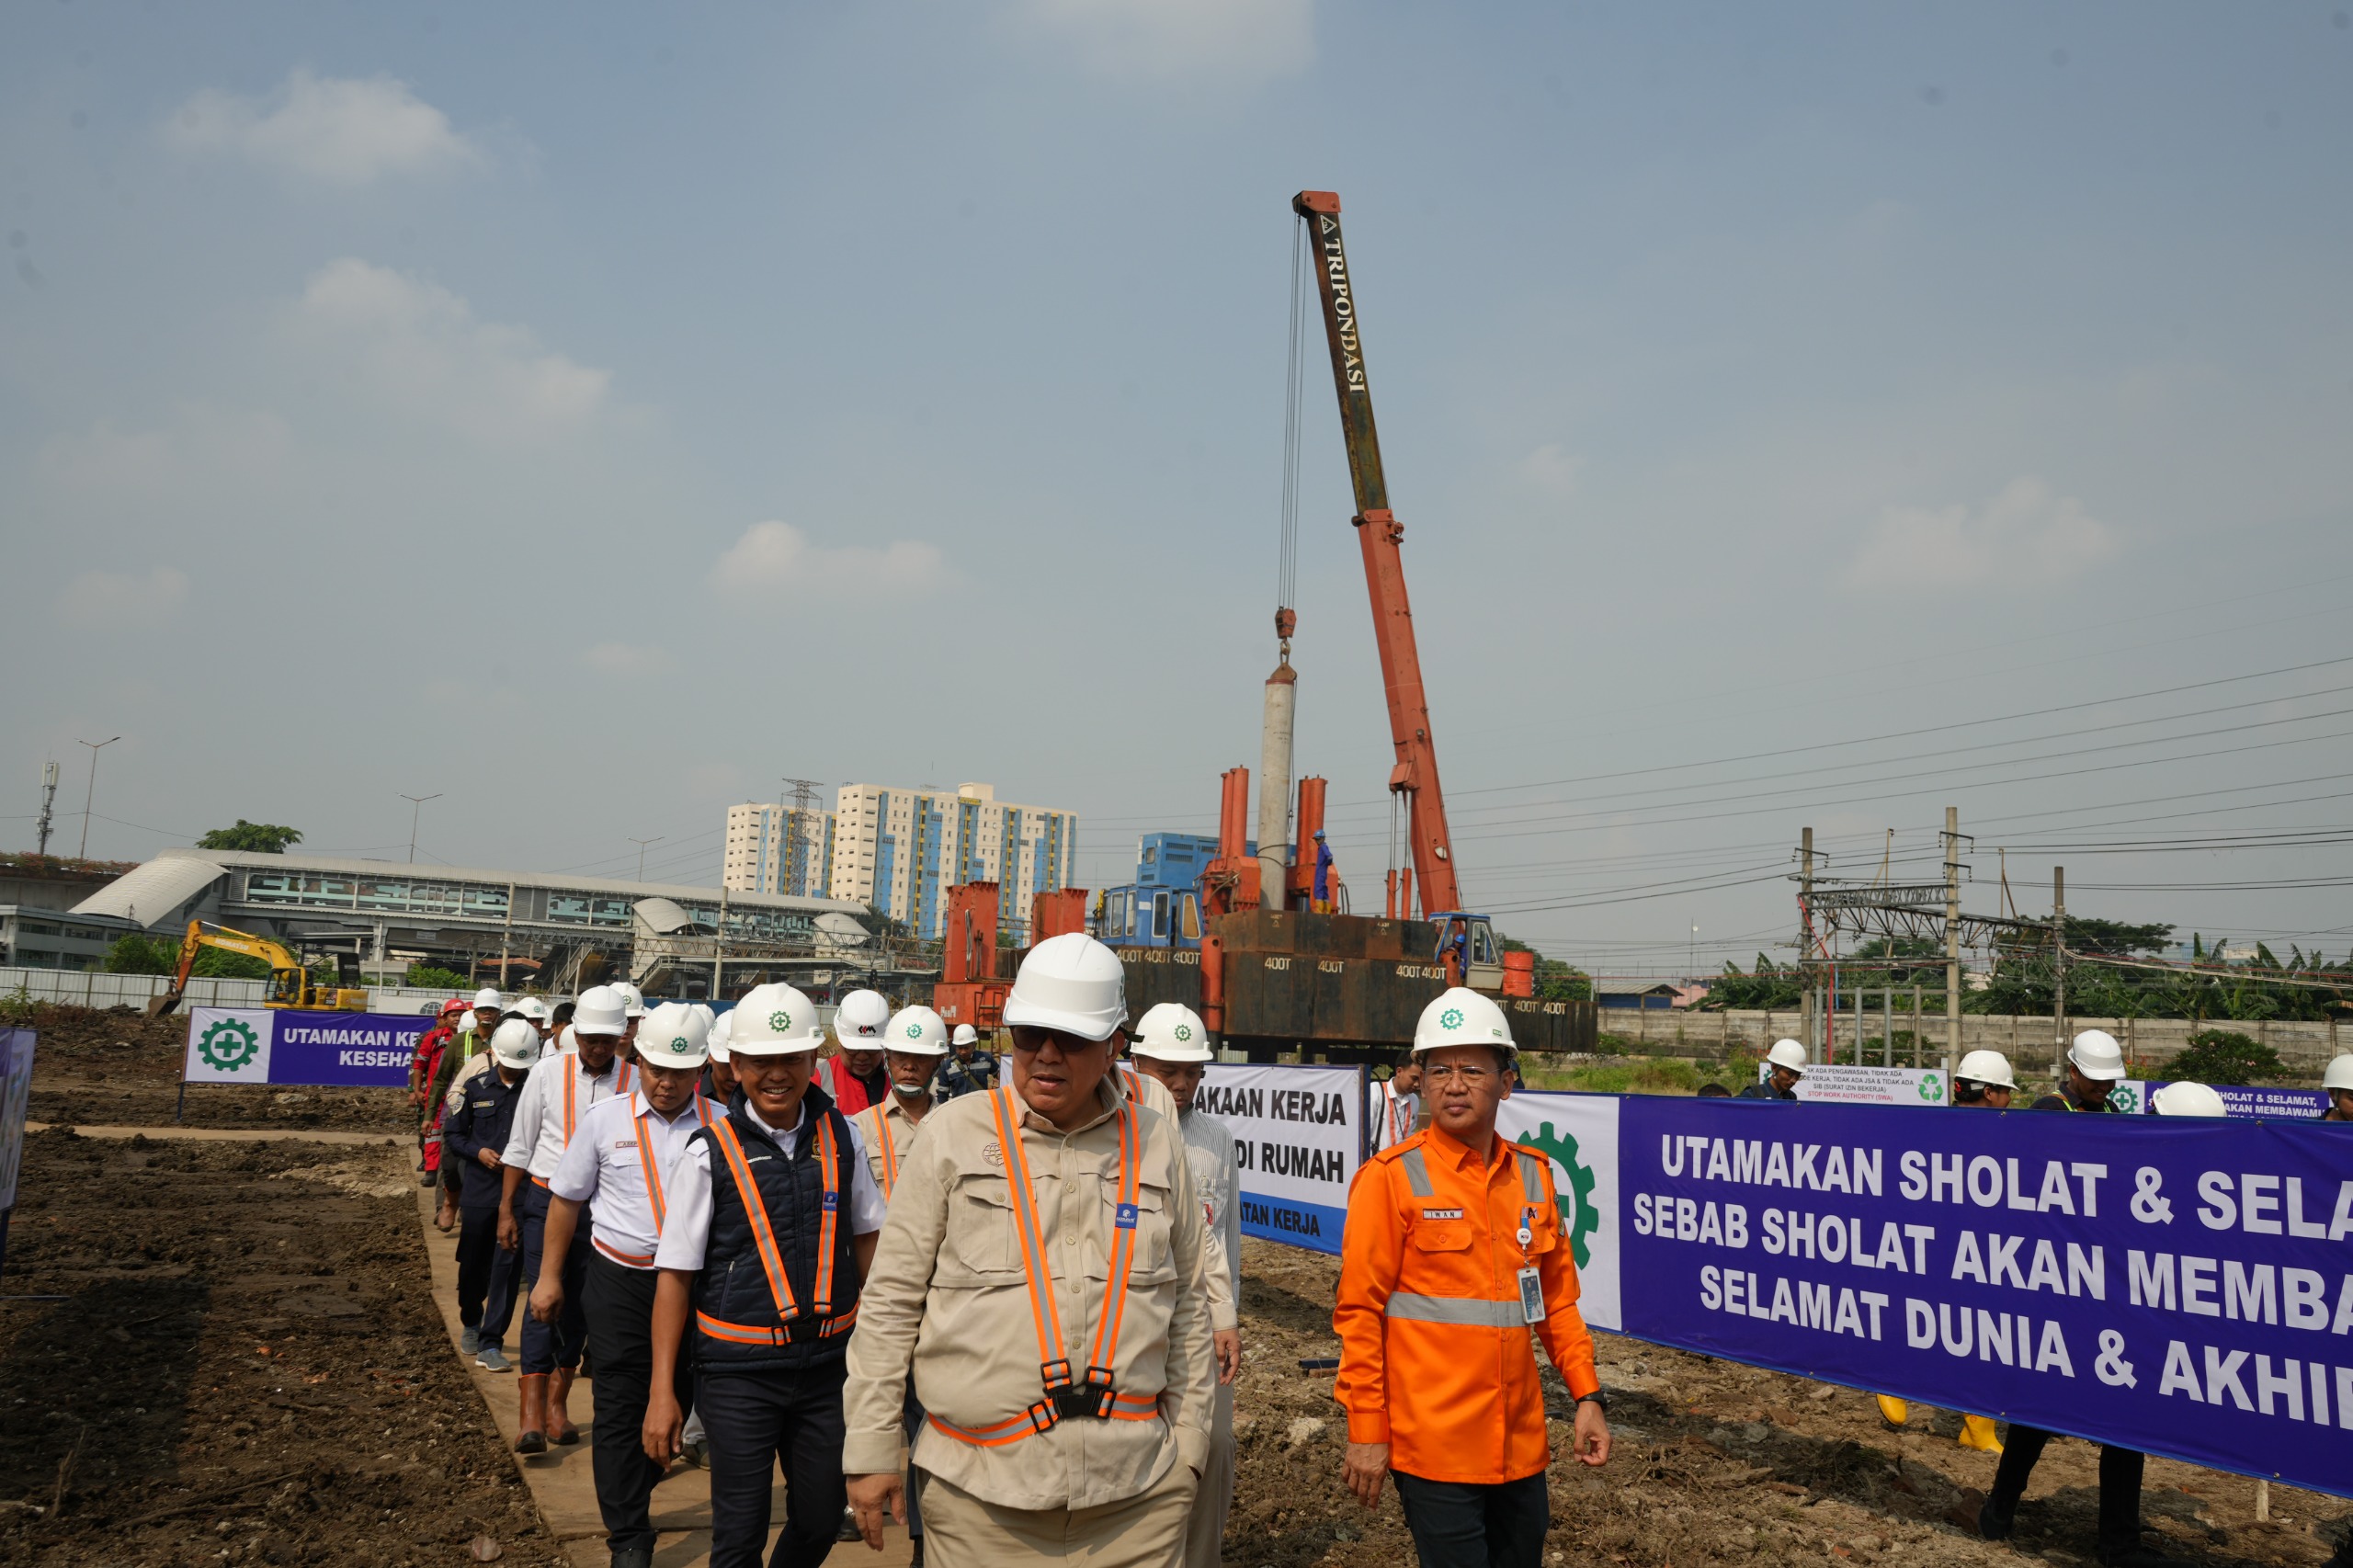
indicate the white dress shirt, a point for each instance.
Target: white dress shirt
{"x":535,"y":1144}
{"x":604,"y":1168}
{"x":685,"y":1234}
{"x":1393,"y":1116}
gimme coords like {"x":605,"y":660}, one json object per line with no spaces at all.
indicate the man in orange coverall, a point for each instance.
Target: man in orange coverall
{"x":1452,"y":1264}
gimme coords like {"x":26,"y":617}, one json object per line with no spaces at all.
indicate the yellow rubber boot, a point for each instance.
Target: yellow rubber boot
{"x":1977,"y":1432}
{"x":1892,"y":1410}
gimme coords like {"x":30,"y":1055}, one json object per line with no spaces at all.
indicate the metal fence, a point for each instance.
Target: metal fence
{"x":90,"y":988}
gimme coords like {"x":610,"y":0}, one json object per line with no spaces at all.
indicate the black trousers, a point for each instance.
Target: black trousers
{"x":621,"y":1338}
{"x":547,"y":1346}
{"x":2119,"y":1488}
{"x":488,"y":1275}
{"x":752,"y":1420}
{"x":1458,"y":1525}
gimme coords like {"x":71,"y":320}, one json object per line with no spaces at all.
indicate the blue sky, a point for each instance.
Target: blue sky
{"x":592,"y":413}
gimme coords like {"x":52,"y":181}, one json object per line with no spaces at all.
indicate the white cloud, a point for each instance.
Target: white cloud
{"x":1171,"y":39}
{"x":1551,"y":471}
{"x":628,"y":659}
{"x":108,"y":601}
{"x":202,"y":451}
{"x":2026,"y":536}
{"x":777,"y":559}
{"x":342,"y":131}
{"x":418,"y":346}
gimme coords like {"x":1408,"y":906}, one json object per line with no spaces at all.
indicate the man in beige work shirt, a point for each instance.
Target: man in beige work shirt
{"x":1041,"y":1276}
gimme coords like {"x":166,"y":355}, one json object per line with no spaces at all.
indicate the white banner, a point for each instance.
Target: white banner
{"x":1298,"y":1132}
{"x":1579,"y":1132}
{"x":229,"y":1045}
{"x":1848,"y":1085}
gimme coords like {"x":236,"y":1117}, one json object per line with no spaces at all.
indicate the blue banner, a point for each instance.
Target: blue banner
{"x":2177,"y":1286}
{"x":285,"y":1045}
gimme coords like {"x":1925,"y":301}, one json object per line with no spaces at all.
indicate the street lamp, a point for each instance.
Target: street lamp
{"x":91,"y":794}
{"x":641,"y":844}
{"x":417,"y":804}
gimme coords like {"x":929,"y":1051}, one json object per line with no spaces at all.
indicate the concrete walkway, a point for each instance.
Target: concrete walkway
{"x":561,"y":1480}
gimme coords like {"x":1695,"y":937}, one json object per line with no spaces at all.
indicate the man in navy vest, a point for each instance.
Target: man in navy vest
{"x":474,"y":1137}
{"x":770,"y":1229}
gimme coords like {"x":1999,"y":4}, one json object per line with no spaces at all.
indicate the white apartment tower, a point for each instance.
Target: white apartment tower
{"x":779,"y":849}
{"x":901,"y":850}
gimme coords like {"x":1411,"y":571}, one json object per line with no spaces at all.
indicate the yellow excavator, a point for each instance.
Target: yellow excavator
{"x":290,"y":984}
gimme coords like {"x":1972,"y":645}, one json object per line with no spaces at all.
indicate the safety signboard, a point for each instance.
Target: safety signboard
{"x":264,"y":1045}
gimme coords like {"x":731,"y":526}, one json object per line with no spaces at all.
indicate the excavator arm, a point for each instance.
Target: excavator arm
{"x":1379,"y":535}
{"x":288,"y":981}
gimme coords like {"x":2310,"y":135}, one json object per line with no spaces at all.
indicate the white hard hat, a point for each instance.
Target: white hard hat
{"x":674,"y":1035}
{"x":531,"y":1007}
{"x":631,"y":998}
{"x":2187,"y":1099}
{"x":2096,"y":1055}
{"x":914,"y":1031}
{"x":2340,"y":1072}
{"x":1788,"y":1053}
{"x":1172,"y":1032}
{"x":773,"y":1021}
{"x":514,"y":1044}
{"x":1071,"y":983}
{"x":709,"y":1017}
{"x":967,"y":1035}
{"x":488,"y":997}
{"x":1988,"y":1067}
{"x":600,"y":1011}
{"x":862,"y":1021}
{"x":1460,"y":1016}
{"x":721,"y":1028}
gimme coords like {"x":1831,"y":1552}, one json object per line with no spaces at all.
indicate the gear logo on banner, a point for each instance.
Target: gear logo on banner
{"x":1573,"y":1198}
{"x":2123,"y":1098}
{"x":229,"y":1046}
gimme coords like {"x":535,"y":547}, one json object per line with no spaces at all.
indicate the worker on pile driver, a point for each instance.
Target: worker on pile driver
{"x":1982,"y":1081}
{"x":1040,"y":1278}
{"x":489,"y":1276}
{"x":918,"y":1045}
{"x":2092,"y":1056}
{"x":560,"y":1091}
{"x":1787,"y":1060}
{"x":970,"y":1071}
{"x":769,"y":1232}
{"x":1452,"y":1264}
{"x":1397,"y":1105}
{"x":1171,"y":1047}
{"x":2338,"y":1081}
{"x":854,"y":1079}
{"x":1319,"y":888}
{"x":617,"y":1166}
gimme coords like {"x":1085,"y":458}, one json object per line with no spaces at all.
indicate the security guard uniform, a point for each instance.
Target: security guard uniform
{"x":489,"y":1276}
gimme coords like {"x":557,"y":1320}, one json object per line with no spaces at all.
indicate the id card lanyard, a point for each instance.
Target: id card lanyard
{"x":1531,"y":1282}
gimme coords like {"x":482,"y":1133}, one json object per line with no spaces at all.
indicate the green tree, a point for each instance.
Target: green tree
{"x":2219,"y":1056}
{"x":135,"y":954}
{"x":254,"y":837}
{"x":425,"y":977}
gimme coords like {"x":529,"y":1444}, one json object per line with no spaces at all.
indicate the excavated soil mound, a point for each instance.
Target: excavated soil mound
{"x":1714,"y":1462}
{"x":245,"y":1366}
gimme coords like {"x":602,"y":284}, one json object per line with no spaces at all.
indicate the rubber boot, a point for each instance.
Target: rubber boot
{"x":560,"y":1426}
{"x":1892,"y":1410}
{"x":532,"y":1389}
{"x":1977,"y":1432}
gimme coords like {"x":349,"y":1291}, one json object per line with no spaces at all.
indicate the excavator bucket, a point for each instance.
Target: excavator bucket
{"x":159,"y":1006}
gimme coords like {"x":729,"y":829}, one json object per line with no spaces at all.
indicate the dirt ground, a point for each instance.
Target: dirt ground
{"x":1713,"y":1462}
{"x":245,"y":1366}
{"x":117,"y":1067}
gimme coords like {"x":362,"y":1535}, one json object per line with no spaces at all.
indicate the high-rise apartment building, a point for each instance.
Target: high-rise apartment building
{"x":901,"y":850}
{"x":779,"y":849}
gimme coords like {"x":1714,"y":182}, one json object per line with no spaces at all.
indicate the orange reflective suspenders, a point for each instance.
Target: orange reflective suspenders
{"x":788,"y":1306}
{"x":1094,"y":1398}
{"x":890,"y":1152}
{"x":652,"y":1174}
{"x":571,"y":1080}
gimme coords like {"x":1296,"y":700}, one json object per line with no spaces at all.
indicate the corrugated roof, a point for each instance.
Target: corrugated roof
{"x":155,"y":891}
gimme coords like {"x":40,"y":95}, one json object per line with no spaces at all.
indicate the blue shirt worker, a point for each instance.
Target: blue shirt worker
{"x":969,"y":1070}
{"x":561,"y":1090}
{"x":473,"y":1140}
{"x":1787,"y":1061}
{"x":616,"y":1164}
{"x":769,"y":1232}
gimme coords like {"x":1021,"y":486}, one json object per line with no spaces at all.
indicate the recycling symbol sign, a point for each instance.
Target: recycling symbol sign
{"x":1579,"y":1218}
{"x":1932,"y":1089}
{"x":779,"y":1020}
{"x":229,"y":1045}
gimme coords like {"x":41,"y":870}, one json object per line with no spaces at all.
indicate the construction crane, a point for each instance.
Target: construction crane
{"x":290,"y":984}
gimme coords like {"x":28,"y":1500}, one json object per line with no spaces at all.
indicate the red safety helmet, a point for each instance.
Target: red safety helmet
{"x":454,"y":1005}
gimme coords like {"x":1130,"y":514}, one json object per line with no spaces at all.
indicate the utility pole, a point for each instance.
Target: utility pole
{"x":719,"y":948}
{"x":92,"y":793}
{"x":1805,"y":928}
{"x":417,"y":803}
{"x":1952,"y":935}
{"x":47,"y":799}
{"x":2059,"y":973}
{"x":641,"y":844}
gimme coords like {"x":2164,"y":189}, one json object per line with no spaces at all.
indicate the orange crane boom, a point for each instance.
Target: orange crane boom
{"x":1378,"y":534}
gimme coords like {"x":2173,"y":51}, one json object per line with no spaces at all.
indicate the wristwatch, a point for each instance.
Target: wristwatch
{"x":1597,"y":1399}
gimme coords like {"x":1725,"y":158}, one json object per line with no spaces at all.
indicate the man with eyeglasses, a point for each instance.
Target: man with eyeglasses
{"x":1040,"y":1277}
{"x":1453,"y":1266}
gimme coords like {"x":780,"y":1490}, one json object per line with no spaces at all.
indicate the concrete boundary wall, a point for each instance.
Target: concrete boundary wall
{"x":2030,"y":1043}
